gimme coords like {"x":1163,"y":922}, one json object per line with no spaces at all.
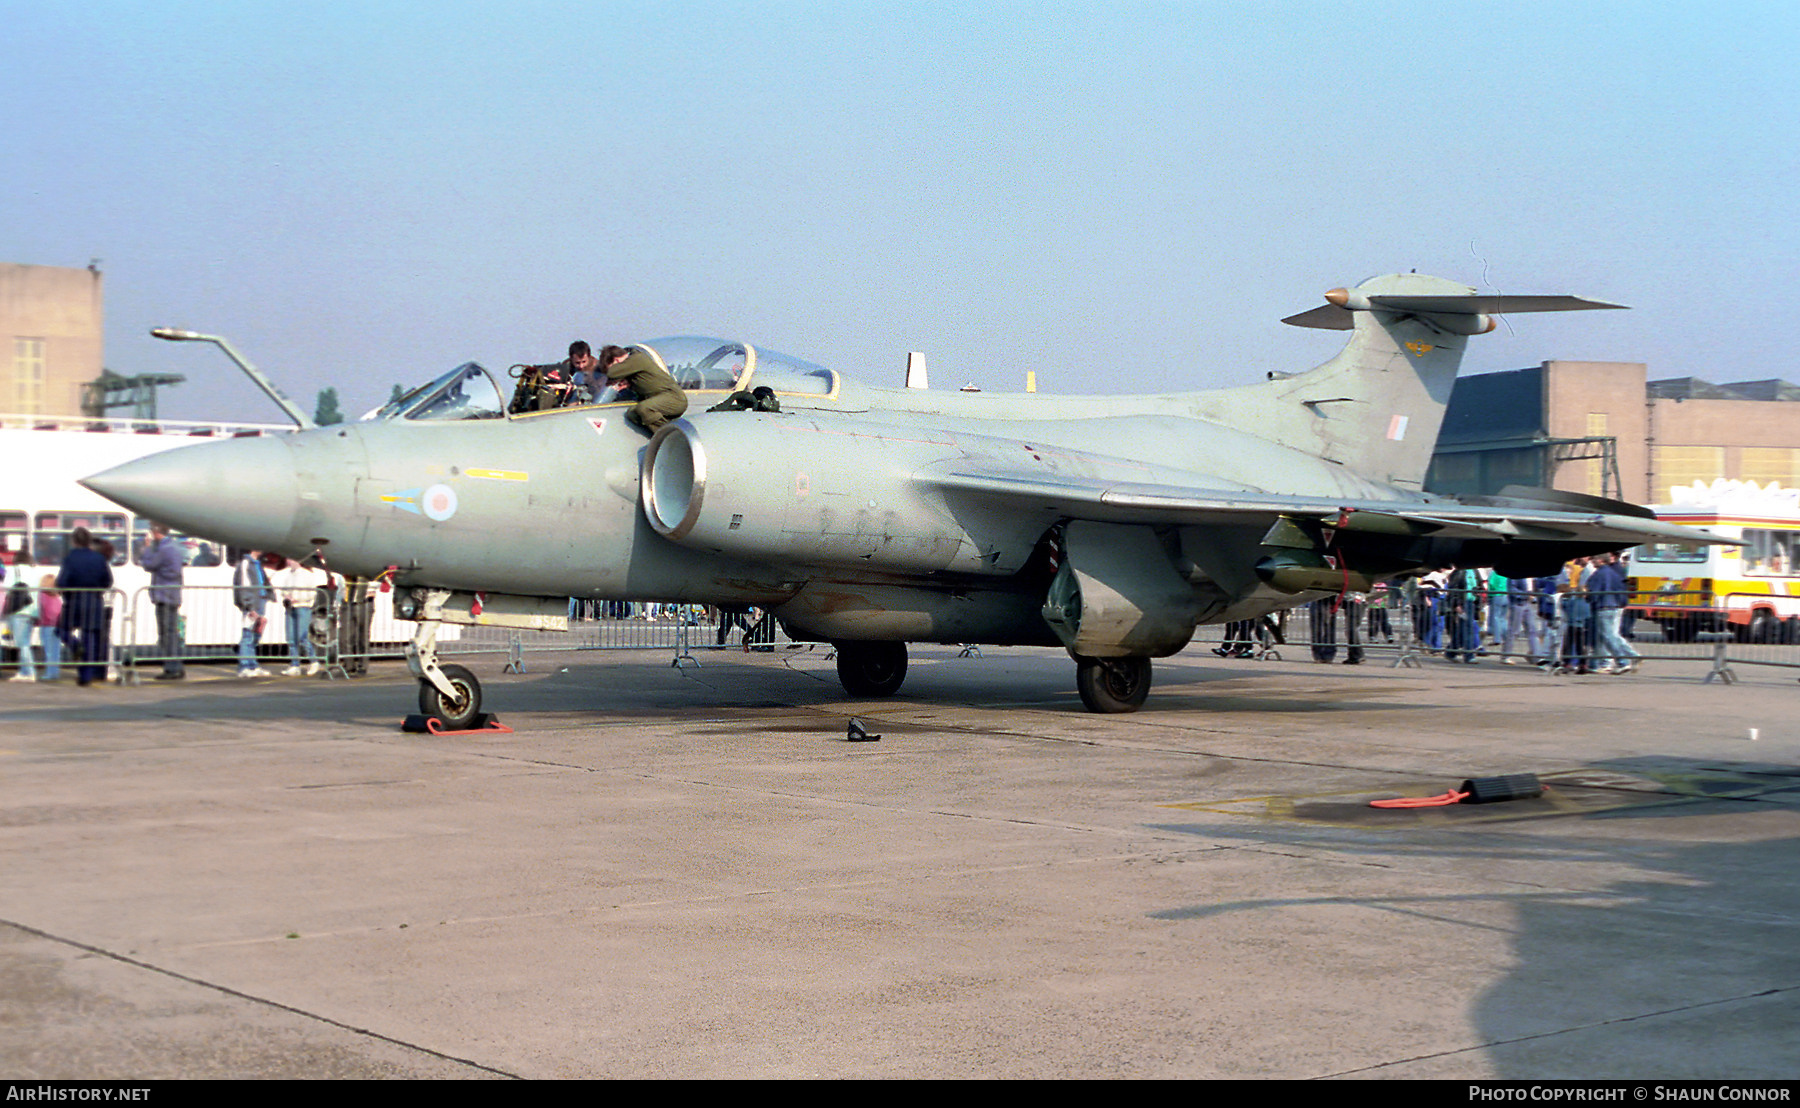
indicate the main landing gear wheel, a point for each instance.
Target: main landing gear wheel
{"x":1112,"y":684}
{"x":871,"y":668}
{"x":458,"y":714}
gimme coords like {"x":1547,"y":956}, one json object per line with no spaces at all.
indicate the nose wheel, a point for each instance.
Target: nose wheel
{"x":457,"y":710}
{"x":449,"y":694}
{"x":1112,"y":684}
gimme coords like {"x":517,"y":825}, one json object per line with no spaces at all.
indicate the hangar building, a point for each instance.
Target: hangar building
{"x":1604,"y":428}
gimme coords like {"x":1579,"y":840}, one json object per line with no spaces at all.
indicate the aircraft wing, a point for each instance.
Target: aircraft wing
{"x":1123,"y":502}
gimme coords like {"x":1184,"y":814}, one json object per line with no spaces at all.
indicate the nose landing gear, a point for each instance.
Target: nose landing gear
{"x":449,"y":694}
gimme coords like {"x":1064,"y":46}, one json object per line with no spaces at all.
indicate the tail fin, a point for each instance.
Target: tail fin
{"x":1377,"y":406}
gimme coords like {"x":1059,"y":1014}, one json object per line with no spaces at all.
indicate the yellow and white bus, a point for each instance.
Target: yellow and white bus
{"x":1753,"y":589}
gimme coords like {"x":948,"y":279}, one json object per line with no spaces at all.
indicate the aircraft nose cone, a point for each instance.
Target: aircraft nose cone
{"x":241,"y":492}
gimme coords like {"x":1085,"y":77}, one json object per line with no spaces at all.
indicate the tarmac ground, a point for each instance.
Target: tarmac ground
{"x":690,"y":873}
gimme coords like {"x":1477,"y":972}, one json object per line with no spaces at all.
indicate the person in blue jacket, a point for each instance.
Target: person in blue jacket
{"x":1609,"y":596}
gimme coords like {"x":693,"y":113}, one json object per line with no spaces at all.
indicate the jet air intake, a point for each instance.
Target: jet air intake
{"x":674,"y":483}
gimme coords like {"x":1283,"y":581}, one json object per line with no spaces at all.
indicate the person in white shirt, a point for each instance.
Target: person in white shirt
{"x":298,"y":585}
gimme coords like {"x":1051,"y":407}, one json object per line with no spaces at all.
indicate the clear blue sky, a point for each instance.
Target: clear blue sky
{"x":360,"y":194}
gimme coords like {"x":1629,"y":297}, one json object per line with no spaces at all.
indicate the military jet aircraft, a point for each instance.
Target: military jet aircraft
{"x":1111,"y":526}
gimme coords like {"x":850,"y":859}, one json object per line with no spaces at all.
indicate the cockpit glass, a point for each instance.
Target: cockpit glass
{"x":613,"y":391}
{"x":702,"y":363}
{"x":785,"y":373}
{"x":466,"y":392}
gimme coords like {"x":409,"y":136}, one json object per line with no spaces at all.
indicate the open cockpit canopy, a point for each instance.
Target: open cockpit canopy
{"x":697,"y":364}
{"x":466,"y":392}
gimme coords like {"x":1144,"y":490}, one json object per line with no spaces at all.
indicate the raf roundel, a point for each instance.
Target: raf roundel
{"x":438,"y":502}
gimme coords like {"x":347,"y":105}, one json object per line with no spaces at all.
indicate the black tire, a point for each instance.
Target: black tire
{"x":1764,"y":627}
{"x":455,"y":715}
{"x":1112,"y":684}
{"x":871,"y":668}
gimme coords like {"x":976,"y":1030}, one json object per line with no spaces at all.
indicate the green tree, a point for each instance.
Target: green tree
{"x":327,"y":411}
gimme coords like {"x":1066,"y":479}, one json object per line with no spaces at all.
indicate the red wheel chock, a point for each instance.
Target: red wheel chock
{"x":485,"y":724}
{"x":1476,"y":790}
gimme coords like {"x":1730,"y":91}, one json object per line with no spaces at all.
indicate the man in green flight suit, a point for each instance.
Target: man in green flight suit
{"x":660,"y":399}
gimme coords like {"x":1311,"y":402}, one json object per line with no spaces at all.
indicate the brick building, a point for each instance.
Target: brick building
{"x":50,"y":325}
{"x":1604,"y":428}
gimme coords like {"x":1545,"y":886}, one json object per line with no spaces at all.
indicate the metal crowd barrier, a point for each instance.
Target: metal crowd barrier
{"x":1400,"y":626}
{"x":1556,"y":632}
{"x":1759,"y":629}
{"x":92,"y":623}
{"x":356,"y":626}
{"x":210,"y":627}
{"x":682,"y":629}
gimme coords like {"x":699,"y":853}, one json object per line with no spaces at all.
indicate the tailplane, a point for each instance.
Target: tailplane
{"x":1377,"y":406}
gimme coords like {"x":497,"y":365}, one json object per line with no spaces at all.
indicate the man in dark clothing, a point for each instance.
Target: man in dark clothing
{"x":733,"y":616}
{"x":1353,"y":604}
{"x":162,"y":557}
{"x":1609,"y":596}
{"x":570,"y":381}
{"x":1324,"y":629}
{"x":83,"y":581}
{"x":1545,"y":590}
{"x":1462,"y":602}
{"x":1239,"y":641}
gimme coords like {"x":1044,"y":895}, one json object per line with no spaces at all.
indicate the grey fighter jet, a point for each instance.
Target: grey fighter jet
{"x":1110,"y":526}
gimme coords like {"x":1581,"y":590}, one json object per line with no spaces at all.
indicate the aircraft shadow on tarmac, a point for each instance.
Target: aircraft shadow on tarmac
{"x":1684,"y":970}
{"x":1696,"y":959}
